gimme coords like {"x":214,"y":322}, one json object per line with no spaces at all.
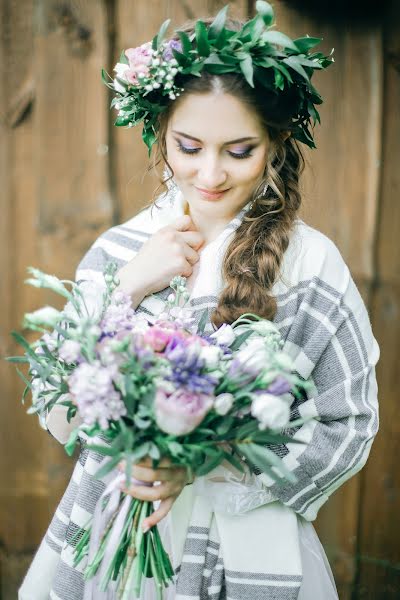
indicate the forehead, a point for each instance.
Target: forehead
{"x":215,"y":117}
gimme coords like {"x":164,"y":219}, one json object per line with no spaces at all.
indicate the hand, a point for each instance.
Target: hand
{"x":172,"y":481}
{"x":172,"y":250}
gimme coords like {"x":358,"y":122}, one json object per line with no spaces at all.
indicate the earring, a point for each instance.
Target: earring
{"x":171,"y":185}
{"x":263,"y":191}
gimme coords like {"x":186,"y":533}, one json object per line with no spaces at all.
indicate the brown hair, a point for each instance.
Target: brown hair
{"x":253,"y":258}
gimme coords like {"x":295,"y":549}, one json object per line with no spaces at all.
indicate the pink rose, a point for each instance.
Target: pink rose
{"x":131,"y":77}
{"x":181,"y":412}
{"x":158,"y":337}
{"x":139,"y":56}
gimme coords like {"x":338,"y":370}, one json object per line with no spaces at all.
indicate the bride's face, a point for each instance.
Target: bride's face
{"x":217,"y":148}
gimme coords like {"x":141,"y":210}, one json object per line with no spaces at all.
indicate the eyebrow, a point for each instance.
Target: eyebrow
{"x":191,"y":137}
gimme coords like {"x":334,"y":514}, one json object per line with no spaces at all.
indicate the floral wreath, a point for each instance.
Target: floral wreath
{"x":149,"y":76}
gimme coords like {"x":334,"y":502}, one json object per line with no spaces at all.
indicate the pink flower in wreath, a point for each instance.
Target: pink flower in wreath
{"x":139,"y":60}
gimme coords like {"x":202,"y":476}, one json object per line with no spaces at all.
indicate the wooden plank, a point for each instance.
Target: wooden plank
{"x":340,"y":198}
{"x":58,"y":200}
{"x":135,"y":24}
{"x":379,"y":549}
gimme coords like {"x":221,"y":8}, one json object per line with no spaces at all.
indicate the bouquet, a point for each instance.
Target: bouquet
{"x":160,"y":389}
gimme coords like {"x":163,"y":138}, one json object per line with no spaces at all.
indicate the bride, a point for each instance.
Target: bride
{"x":230,"y":145}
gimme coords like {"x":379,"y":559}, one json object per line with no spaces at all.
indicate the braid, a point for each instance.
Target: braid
{"x":253,"y":258}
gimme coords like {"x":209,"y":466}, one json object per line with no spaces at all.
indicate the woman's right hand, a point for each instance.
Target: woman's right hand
{"x":170,"y":251}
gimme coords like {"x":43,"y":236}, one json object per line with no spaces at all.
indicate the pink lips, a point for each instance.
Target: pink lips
{"x":211,"y":193}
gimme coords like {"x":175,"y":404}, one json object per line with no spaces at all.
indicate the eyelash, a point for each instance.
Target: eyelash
{"x":242,"y":155}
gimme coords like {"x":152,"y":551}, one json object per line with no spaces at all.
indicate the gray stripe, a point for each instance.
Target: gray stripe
{"x":90,"y":490}
{"x":236,"y":591}
{"x":117,"y":237}
{"x":96,"y":259}
{"x":68,"y":582}
{"x":58,"y":528}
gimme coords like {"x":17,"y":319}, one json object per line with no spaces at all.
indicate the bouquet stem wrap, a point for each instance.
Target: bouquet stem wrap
{"x":119,"y":551}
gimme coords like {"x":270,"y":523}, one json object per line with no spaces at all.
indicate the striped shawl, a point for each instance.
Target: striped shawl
{"x":327,"y":332}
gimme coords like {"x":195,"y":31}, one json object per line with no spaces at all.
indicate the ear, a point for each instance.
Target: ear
{"x":285,"y":135}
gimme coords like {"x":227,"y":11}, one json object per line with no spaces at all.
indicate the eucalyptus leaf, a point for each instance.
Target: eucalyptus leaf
{"x":278,"y":38}
{"x":71,"y":443}
{"x":304,"y":44}
{"x":265,"y":11}
{"x":293,"y":62}
{"x":107,"y":467}
{"x":203,"y":321}
{"x":218,"y":24}
{"x":185,"y":41}
{"x":123,"y":58}
{"x":203,"y":45}
{"x":162,"y":32}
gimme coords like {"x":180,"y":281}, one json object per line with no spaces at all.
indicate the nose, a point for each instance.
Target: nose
{"x":212,"y":174}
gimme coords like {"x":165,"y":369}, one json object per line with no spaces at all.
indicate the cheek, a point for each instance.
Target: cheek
{"x":251,"y":171}
{"x":180,"y":164}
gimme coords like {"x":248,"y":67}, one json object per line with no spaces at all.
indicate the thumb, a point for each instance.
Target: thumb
{"x":184,"y":223}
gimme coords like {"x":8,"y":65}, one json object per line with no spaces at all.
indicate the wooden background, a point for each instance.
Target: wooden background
{"x":67,"y":174}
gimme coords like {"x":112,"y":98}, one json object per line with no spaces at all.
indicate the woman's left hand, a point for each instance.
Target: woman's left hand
{"x":172,"y":481}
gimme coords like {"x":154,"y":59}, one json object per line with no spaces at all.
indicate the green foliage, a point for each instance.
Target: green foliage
{"x":261,"y":54}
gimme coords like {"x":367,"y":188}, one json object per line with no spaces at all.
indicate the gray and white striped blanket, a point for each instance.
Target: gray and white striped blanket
{"x":327,"y":332}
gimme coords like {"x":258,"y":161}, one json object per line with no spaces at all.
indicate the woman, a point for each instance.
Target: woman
{"x":229,"y":223}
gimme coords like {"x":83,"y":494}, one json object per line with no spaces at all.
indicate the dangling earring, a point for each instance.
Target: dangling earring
{"x":171,"y":185}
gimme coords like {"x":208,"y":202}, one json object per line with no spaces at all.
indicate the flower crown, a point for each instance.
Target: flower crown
{"x":150,"y":76}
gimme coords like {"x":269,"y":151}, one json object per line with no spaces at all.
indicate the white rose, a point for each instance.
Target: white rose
{"x":120,"y":69}
{"x":223,"y":403}
{"x":254,"y":355}
{"x":211,"y":355}
{"x":224,"y":335}
{"x":271,"y":411}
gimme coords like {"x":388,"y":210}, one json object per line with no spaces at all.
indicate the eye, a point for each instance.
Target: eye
{"x":245,"y":154}
{"x":239,"y":155}
{"x":186,"y":150}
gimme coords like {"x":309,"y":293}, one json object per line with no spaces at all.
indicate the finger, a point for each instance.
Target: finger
{"x":151,"y":494}
{"x":191,"y":255}
{"x":183,"y":223}
{"x":148,"y":462}
{"x":160,"y":513}
{"x":193,"y":238}
{"x":166,"y":474}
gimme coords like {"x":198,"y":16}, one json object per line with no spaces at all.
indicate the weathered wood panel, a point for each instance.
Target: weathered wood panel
{"x":340,"y":198}
{"x":58,"y":201}
{"x":379,"y":547}
{"x":67,"y":174}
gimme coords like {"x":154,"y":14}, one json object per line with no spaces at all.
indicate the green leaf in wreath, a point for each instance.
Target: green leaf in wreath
{"x":203,"y":45}
{"x":218,"y":24}
{"x":265,"y":11}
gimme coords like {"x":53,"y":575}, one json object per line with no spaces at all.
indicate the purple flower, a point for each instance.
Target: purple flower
{"x":91,"y":386}
{"x":172,"y":45}
{"x":187,"y":362}
{"x":119,"y":315}
{"x":181,"y":412}
{"x":279,"y":386}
